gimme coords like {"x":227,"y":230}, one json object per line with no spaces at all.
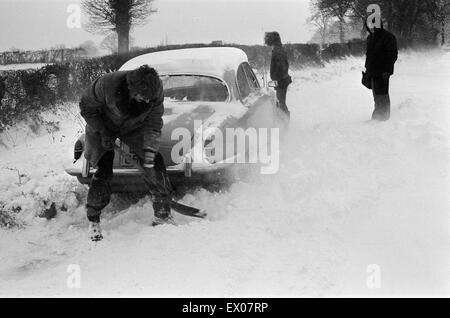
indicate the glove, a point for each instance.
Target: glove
{"x":108,"y":142}
{"x":149,"y":158}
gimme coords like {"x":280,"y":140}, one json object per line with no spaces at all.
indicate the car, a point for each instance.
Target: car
{"x":213,"y":89}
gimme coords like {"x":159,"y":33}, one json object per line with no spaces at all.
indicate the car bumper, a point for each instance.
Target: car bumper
{"x":130,"y":179}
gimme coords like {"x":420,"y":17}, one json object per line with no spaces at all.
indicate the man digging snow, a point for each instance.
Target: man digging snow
{"x":127,"y":105}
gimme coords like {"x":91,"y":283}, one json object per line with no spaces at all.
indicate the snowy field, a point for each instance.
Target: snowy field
{"x":349,"y":194}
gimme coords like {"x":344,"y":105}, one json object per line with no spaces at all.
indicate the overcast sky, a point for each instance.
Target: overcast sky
{"x":38,"y":24}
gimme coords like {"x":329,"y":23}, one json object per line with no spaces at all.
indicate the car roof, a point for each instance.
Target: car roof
{"x":215,"y":61}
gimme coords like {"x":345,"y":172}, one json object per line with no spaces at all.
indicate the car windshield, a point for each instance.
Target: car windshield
{"x":196,"y":88}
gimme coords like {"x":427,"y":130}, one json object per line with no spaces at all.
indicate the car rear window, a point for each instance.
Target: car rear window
{"x":194,"y":88}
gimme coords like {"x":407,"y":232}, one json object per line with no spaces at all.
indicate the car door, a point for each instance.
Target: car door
{"x":261,"y":109}
{"x":260,"y":104}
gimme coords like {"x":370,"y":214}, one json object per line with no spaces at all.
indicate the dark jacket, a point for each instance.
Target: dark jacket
{"x":381,"y":53}
{"x":107,"y":109}
{"x":279,"y":65}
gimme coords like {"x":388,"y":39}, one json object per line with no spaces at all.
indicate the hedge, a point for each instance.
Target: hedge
{"x":26,"y":93}
{"x":42,"y":56}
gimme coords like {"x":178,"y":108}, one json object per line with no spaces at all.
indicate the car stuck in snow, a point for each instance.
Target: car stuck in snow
{"x":212,"y":97}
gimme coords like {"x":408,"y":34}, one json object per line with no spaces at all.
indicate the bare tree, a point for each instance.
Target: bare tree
{"x":338,"y":9}
{"x":321,"y":23}
{"x":409,"y":18}
{"x":438,"y":12}
{"x":420,"y":20}
{"x":118,"y":16}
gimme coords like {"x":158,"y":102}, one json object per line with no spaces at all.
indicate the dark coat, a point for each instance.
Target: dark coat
{"x":381,"y":53}
{"x":279,"y":65}
{"x":108,"y":111}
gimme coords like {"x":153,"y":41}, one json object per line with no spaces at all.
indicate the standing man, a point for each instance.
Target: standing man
{"x":127,"y":105}
{"x":279,"y":67}
{"x":381,"y":56}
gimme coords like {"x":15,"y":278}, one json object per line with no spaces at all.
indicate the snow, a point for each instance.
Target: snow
{"x":209,"y":60}
{"x":220,"y":110}
{"x":349,"y":193}
{"x":24,"y":66}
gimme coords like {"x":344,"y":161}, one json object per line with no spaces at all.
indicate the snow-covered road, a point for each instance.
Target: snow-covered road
{"x":351,"y":196}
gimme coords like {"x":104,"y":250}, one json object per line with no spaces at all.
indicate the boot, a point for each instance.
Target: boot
{"x":166,"y":220}
{"x":382,"y":111}
{"x":95,"y":232}
{"x":162,"y":213}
